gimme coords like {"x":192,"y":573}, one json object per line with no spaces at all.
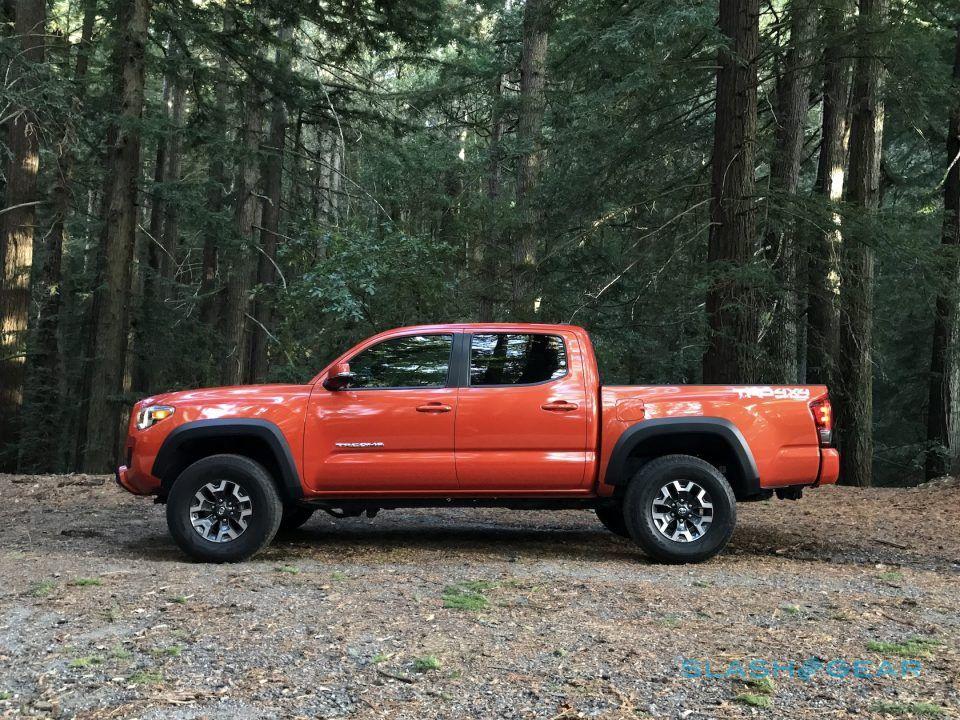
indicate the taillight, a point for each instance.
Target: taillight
{"x":823,"y":419}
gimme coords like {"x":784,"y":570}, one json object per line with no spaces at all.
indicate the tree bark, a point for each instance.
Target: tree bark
{"x":237,"y":301}
{"x":731,"y":318}
{"x":855,"y":407}
{"x":151,"y":249}
{"x":780,"y":245}
{"x":215,"y":196}
{"x":942,"y":389}
{"x":487,"y":253}
{"x":117,"y":241}
{"x":533,"y":101}
{"x":270,"y":228}
{"x":171,"y":221}
{"x":17,"y":232}
{"x":43,"y":400}
{"x":823,"y":269}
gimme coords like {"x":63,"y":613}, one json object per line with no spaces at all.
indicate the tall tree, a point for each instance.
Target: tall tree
{"x":43,"y":398}
{"x":823,"y":267}
{"x":270,"y":227}
{"x":17,"y":232}
{"x":780,"y":243}
{"x":112,"y":295}
{"x":855,"y":382}
{"x":942,"y":387}
{"x":486,"y":255}
{"x":171,"y":222}
{"x":152,"y":248}
{"x":215,"y":192}
{"x":237,"y":299}
{"x":731,"y":317}
{"x":533,"y":99}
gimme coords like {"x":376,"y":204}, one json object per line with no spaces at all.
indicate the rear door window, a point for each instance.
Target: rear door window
{"x":516,"y":359}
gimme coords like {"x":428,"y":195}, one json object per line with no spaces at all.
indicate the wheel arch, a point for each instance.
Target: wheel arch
{"x":715,"y":440}
{"x":258,"y":440}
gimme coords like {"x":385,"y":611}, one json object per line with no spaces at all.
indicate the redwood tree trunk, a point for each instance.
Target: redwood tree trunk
{"x":533,"y":76}
{"x":151,"y":250}
{"x":171,"y":222}
{"x":731,"y":319}
{"x":218,"y":182}
{"x":823,"y":269}
{"x":43,"y":411}
{"x":237,"y":300}
{"x":269,"y":231}
{"x":111,"y":299}
{"x":855,"y":407}
{"x":780,"y":245}
{"x":17,"y":225}
{"x":942,"y":390}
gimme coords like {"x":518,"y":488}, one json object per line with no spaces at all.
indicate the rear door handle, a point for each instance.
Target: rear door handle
{"x":434,"y":407}
{"x":559,"y":406}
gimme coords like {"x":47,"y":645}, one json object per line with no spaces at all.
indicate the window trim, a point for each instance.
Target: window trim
{"x":469,"y":354}
{"x":451,"y":359}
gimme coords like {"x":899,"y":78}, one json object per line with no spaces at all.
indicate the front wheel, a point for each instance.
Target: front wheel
{"x":223,"y":508}
{"x":680,"y":509}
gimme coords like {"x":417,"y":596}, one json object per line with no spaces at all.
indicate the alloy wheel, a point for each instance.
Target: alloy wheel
{"x":682,"y":511}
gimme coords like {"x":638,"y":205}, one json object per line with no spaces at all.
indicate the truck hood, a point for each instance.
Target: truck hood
{"x":237,"y":395}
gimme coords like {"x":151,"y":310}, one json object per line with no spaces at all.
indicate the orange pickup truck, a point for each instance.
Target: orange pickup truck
{"x":502,"y":415}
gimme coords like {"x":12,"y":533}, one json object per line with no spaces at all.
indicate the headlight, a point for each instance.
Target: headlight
{"x":152,"y":415}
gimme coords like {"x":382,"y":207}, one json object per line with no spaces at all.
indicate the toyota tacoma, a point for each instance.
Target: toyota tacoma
{"x":489,"y":415}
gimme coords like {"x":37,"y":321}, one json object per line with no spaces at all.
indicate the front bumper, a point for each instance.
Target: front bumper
{"x":135,"y":474}
{"x":129,"y":482}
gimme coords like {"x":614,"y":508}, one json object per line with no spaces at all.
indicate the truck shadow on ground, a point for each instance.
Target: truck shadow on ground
{"x":381,"y":542}
{"x":504,"y":542}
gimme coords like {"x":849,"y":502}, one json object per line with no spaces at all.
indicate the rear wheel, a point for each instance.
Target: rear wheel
{"x":295,"y":516}
{"x":612,"y":518}
{"x":680,"y":509}
{"x":223,"y":508}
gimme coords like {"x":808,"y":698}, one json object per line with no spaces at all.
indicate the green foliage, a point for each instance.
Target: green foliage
{"x":86,"y":582}
{"x":467,"y":595}
{"x":912,"y":709}
{"x":755,"y":700}
{"x":426,"y":664}
{"x":912,"y":647}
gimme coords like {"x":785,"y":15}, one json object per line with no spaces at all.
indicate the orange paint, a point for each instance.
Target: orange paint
{"x":548,"y":439}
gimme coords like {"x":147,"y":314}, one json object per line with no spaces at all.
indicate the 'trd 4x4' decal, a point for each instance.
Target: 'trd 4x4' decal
{"x":778,"y":393}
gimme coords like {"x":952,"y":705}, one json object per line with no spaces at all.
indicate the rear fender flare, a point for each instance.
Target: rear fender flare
{"x":648,"y":430}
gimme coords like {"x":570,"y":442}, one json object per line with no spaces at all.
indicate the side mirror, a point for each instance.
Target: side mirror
{"x":339,"y":377}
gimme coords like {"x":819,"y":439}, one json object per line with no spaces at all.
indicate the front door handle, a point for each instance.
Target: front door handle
{"x":559,"y":406}
{"x":434,"y":407}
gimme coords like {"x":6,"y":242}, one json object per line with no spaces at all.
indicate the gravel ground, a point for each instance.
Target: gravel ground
{"x":475,"y":613}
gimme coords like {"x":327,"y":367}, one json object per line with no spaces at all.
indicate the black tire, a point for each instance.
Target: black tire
{"x":612,"y":518}
{"x":294,"y":516}
{"x":646,"y":486}
{"x":252,"y":480}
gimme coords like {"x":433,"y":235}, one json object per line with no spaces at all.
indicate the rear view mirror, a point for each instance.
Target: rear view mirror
{"x":339,"y":377}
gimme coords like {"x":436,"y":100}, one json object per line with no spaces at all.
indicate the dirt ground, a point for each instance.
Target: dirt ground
{"x":476,"y":613}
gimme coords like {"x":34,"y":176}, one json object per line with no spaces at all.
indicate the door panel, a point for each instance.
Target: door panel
{"x":381,"y":440}
{"x":523,"y":438}
{"x":391,"y":432}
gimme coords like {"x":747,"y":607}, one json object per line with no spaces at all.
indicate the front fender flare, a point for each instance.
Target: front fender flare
{"x":173,"y":454}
